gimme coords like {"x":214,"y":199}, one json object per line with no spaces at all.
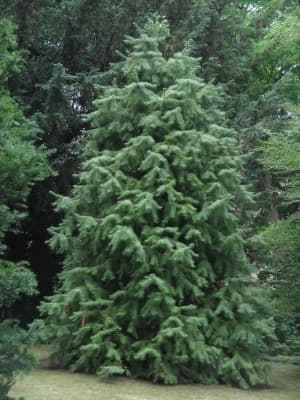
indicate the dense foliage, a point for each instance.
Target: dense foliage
{"x":156,"y":282}
{"x":69,"y":46}
{"x":15,"y":358}
{"x":278,"y":55}
{"x":21,"y":164}
{"x":250,"y":48}
{"x":15,"y":281}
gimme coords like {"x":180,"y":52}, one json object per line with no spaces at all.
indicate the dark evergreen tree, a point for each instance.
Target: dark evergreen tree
{"x":60,"y":126}
{"x":155,"y":281}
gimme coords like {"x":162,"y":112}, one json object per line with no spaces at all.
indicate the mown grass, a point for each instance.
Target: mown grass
{"x":52,"y":384}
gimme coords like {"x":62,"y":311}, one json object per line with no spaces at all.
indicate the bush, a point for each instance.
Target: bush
{"x":14,"y":355}
{"x":15,"y":280}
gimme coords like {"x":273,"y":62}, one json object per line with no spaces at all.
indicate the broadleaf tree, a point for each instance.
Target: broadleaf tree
{"x":21,"y":165}
{"x":277,"y":59}
{"x":155,"y":281}
{"x":21,"y":162}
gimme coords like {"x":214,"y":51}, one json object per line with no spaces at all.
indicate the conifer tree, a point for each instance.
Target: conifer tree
{"x":156,"y":282}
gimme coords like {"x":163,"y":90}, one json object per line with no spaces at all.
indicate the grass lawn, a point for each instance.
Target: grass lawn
{"x":50,"y":384}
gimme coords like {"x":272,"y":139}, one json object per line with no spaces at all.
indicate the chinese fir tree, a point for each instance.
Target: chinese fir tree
{"x":156,"y":283}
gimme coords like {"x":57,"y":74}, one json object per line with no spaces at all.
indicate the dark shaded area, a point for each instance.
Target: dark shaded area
{"x":43,"y":262}
{"x":32,"y":246}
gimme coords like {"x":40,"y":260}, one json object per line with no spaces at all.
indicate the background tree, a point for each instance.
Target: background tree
{"x":281,"y":271}
{"x":156,"y":282}
{"x":274,"y":80}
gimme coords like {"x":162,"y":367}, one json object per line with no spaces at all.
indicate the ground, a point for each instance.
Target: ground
{"x":50,"y":384}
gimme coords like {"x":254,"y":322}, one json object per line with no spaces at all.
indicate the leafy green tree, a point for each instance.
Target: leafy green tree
{"x":155,"y":281}
{"x":277,"y":54}
{"x":285,"y":276}
{"x":21,"y":164}
{"x":281,"y":271}
{"x":274,"y":79}
{"x":15,"y":282}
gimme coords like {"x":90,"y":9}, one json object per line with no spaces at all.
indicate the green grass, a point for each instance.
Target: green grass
{"x":52,"y":384}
